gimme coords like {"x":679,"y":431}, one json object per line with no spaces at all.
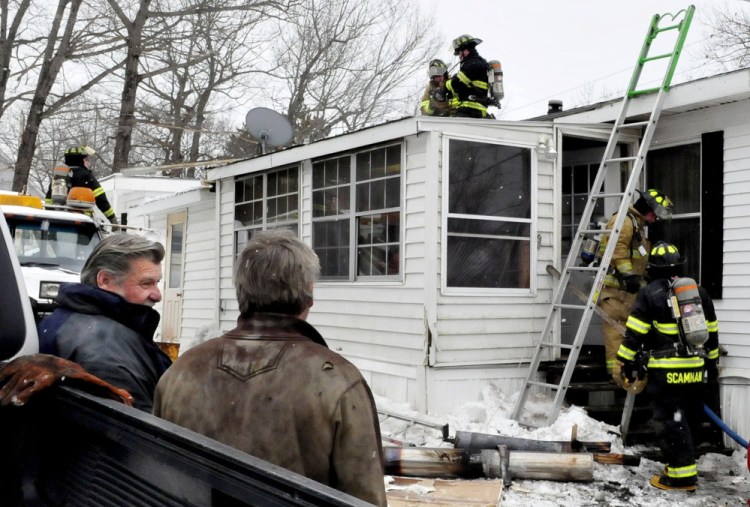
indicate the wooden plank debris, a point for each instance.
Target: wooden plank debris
{"x":420,"y":492}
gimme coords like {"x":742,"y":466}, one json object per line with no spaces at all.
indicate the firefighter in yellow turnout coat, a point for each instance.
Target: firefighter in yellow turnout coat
{"x":628,"y":265}
{"x":673,"y":322}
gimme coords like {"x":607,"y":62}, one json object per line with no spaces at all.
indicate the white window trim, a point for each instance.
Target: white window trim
{"x":354,"y":278}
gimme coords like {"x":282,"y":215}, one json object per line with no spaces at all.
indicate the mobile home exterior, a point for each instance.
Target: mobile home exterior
{"x":435,"y":234}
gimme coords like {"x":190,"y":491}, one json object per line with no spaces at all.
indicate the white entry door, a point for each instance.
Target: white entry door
{"x":173,"y":274}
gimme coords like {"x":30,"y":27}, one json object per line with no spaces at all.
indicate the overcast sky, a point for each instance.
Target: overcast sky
{"x":551,"y":49}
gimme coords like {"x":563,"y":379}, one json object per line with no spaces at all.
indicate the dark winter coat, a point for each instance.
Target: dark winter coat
{"x":108,"y":337}
{"x":272,"y":388}
{"x":470,"y":87}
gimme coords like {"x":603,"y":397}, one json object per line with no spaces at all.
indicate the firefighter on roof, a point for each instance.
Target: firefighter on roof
{"x":78,"y":159}
{"x":673,"y":322}
{"x":628,"y":264}
{"x":436,"y":99}
{"x":470,"y":86}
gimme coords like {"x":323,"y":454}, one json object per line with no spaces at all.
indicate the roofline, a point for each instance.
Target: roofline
{"x":698,"y":94}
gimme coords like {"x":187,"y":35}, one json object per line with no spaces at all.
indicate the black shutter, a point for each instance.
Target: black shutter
{"x":712,"y":206}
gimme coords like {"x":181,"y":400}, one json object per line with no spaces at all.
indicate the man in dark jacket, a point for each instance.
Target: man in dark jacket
{"x":470,"y":86}
{"x":79,"y":161}
{"x":271,"y":387}
{"x":674,"y":323}
{"x":106,"y":323}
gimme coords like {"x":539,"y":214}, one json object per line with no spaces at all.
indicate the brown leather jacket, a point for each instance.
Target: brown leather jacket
{"x":272,"y":388}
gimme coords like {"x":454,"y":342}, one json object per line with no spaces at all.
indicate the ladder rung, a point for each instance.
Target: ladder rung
{"x":571,"y":307}
{"x":542,"y":384}
{"x":609,"y":194}
{"x":621,"y":159}
{"x":594,"y":231}
{"x":634,"y":124}
{"x":657,"y":57}
{"x":635,"y":93}
{"x":558,"y":345}
{"x":583,"y":268}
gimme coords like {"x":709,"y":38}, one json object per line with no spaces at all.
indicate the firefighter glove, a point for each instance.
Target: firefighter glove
{"x":620,"y":376}
{"x":632,"y":283}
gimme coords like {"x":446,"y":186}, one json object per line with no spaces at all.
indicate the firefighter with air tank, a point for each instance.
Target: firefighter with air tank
{"x":673,"y":330}
{"x":477,"y":84}
{"x":628,"y":264}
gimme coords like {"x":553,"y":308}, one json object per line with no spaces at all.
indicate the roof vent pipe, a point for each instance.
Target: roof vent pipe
{"x":554,"y":106}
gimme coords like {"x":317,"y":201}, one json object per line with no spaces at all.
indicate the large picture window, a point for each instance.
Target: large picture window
{"x":361,"y":240}
{"x":265,"y":201}
{"x":489,"y":222}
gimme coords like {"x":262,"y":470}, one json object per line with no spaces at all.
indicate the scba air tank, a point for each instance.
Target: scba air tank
{"x":688,"y":310}
{"x":496,"y":79}
{"x":60,"y":184}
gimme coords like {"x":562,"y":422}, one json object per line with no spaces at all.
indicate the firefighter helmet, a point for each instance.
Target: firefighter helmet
{"x":658,"y":202}
{"x":83,"y":151}
{"x":464,"y":41}
{"x":665,"y":261}
{"x":437,"y":68}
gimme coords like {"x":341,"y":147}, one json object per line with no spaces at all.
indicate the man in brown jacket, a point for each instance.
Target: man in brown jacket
{"x":271,"y":387}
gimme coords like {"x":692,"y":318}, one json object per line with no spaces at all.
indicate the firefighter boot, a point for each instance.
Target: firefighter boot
{"x":663,"y":481}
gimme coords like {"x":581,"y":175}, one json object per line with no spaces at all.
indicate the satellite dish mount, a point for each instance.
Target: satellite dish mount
{"x":268,"y":126}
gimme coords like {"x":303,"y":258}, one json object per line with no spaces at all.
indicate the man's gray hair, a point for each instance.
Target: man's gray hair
{"x":275,"y":273}
{"x":116,"y":253}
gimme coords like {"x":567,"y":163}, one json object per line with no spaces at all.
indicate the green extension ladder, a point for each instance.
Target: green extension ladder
{"x":547,"y":346}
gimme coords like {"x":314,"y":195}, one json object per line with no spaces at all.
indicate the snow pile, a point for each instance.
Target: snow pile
{"x":724,"y":480}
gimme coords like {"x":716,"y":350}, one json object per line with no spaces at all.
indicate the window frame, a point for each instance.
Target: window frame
{"x":709,"y":271}
{"x":353,"y":216}
{"x":265,"y":224}
{"x":532,"y":221}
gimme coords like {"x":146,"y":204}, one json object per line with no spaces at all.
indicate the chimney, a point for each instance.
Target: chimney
{"x":554,"y":106}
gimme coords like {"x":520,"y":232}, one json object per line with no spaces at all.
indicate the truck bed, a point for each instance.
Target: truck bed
{"x":68,"y":447}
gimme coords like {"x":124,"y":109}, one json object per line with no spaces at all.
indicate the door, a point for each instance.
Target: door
{"x":173,"y":276}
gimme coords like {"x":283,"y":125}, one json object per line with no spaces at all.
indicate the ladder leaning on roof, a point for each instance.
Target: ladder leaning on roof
{"x":681,"y":23}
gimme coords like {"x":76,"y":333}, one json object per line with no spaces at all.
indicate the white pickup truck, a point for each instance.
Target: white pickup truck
{"x":51,"y":245}
{"x":68,"y":447}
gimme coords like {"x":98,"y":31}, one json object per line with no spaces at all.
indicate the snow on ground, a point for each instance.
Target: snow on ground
{"x":723,"y":480}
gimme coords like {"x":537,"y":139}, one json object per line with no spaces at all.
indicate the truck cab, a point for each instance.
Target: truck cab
{"x":51,"y":245}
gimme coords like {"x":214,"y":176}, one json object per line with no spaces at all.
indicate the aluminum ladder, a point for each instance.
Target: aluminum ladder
{"x":547,"y":346}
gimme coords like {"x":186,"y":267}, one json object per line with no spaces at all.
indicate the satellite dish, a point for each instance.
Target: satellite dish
{"x":270,"y":127}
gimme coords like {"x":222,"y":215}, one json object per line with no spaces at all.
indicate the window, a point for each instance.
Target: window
{"x":577,"y":181}
{"x":265,"y":201}
{"x":690,"y":175}
{"x":362,"y":240}
{"x":489,"y":222}
{"x":44,"y":242}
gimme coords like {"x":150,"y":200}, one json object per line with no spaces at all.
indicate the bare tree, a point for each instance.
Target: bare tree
{"x":223,"y":47}
{"x":729,"y":43}
{"x":10,"y":24}
{"x":345,"y":63}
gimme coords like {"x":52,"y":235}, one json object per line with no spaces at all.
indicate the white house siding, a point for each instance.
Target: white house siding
{"x":380,"y":327}
{"x":199,"y":275}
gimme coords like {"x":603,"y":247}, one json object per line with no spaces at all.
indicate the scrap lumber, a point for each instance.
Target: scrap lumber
{"x":447,"y":463}
{"x":472,"y":440}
